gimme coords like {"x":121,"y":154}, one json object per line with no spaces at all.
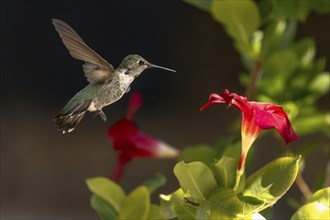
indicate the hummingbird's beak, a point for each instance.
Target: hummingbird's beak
{"x":160,"y":67}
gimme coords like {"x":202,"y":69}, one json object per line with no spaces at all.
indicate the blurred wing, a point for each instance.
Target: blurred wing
{"x":96,"y":69}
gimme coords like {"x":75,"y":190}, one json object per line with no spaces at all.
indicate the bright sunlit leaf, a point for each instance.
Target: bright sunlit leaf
{"x":107,"y":190}
{"x":195,"y":178}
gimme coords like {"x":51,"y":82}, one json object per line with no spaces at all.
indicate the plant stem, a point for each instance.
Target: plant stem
{"x":238,"y":178}
{"x":302,"y":185}
{"x":255,"y":76}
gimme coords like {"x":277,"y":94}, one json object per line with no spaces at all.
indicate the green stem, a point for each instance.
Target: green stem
{"x":302,"y":185}
{"x":238,"y":178}
{"x":300,"y":182}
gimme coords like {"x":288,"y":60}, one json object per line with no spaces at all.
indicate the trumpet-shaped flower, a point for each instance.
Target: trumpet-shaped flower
{"x":256,"y":116}
{"x":131,"y":142}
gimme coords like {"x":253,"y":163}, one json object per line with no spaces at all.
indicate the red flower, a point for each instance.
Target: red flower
{"x":130,"y":142}
{"x":255,"y":116}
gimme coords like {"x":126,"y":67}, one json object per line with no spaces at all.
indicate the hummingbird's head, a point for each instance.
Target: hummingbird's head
{"x":136,"y":64}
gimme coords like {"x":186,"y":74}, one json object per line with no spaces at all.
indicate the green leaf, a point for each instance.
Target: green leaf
{"x":241,"y":184}
{"x":203,"y":153}
{"x":154,"y":213}
{"x":166,"y":206}
{"x":136,"y":205}
{"x":312,"y":210}
{"x":222,"y":204}
{"x":195,"y":178}
{"x":276,"y":74}
{"x":288,"y":61}
{"x":321,"y":196}
{"x":183,"y":209}
{"x":240,"y":18}
{"x":312,"y":123}
{"x":225,"y":171}
{"x":107,"y":190}
{"x":251,"y":204}
{"x":321,"y":6}
{"x":292,"y":9}
{"x":267,"y":213}
{"x":317,"y":207}
{"x":266,"y":9}
{"x":202,"y":5}
{"x":320,"y":84}
{"x":153,"y":184}
{"x":272,"y":181}
{"x":278,"y":35}
{"x":174,"y":205}
{"x":254,"y":216}
{"x":104,"y":210}
{"x":305,"y":51}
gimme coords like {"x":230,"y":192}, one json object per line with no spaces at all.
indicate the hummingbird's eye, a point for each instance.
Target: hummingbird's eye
{"x":141,"y":62}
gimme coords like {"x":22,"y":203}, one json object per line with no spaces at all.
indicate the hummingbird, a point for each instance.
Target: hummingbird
{"x":106,"y":84}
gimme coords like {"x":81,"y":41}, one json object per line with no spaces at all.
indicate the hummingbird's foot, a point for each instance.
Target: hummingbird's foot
{"x":101,"y":114}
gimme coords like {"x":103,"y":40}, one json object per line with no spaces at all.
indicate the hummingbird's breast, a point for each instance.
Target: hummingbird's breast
{"x":113,"y":90}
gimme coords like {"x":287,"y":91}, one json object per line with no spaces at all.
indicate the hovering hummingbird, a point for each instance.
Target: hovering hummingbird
{"x":106,"y":84}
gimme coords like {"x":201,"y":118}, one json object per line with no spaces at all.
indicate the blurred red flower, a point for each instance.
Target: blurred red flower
{"x":255,"y":117}
{"x":131,"y":142}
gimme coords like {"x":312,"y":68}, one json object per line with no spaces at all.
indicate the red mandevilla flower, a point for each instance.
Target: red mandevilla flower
{"x":255,"y":117}
{"x":130,"y":142}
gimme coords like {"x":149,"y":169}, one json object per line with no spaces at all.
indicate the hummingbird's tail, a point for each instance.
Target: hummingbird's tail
{"x":69,"y":118}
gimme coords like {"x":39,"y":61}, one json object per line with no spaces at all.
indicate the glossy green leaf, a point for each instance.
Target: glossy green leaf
{"x":272,"y":181}
{"x":322,"y":196}
{"x":154,"y":213}
{"x":195,"y":178}
{"x":104,"y":210}
{"x":107,"y":190}
{"x":202,"y":5}
{"x":222,"y":204}
{"x":203,"y":153}
{"x":175,"y":205}
{"x":183,"y":209}
{"x":240,"y":18}
{"x":267,"y":213}
{"x":155,"y":183}
{"x":317,"y":207}
{"x":312,"y":210}
{"x":225,"y":171}
{"x":166,"y":206}
{"x":251,"y":204}
{"x":136,"y":205}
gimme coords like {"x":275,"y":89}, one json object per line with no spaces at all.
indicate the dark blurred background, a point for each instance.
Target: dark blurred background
{"x":43,"y":171}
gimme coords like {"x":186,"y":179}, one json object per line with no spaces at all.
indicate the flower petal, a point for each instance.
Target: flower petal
{"x":268,"y":116}
{"x":135,"y":103}
{"x":213,"y":99}
{"x":122,"y":129}
{"x":126,"y":137}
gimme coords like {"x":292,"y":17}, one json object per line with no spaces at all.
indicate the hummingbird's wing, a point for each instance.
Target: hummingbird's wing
{"x":96,"y":69}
